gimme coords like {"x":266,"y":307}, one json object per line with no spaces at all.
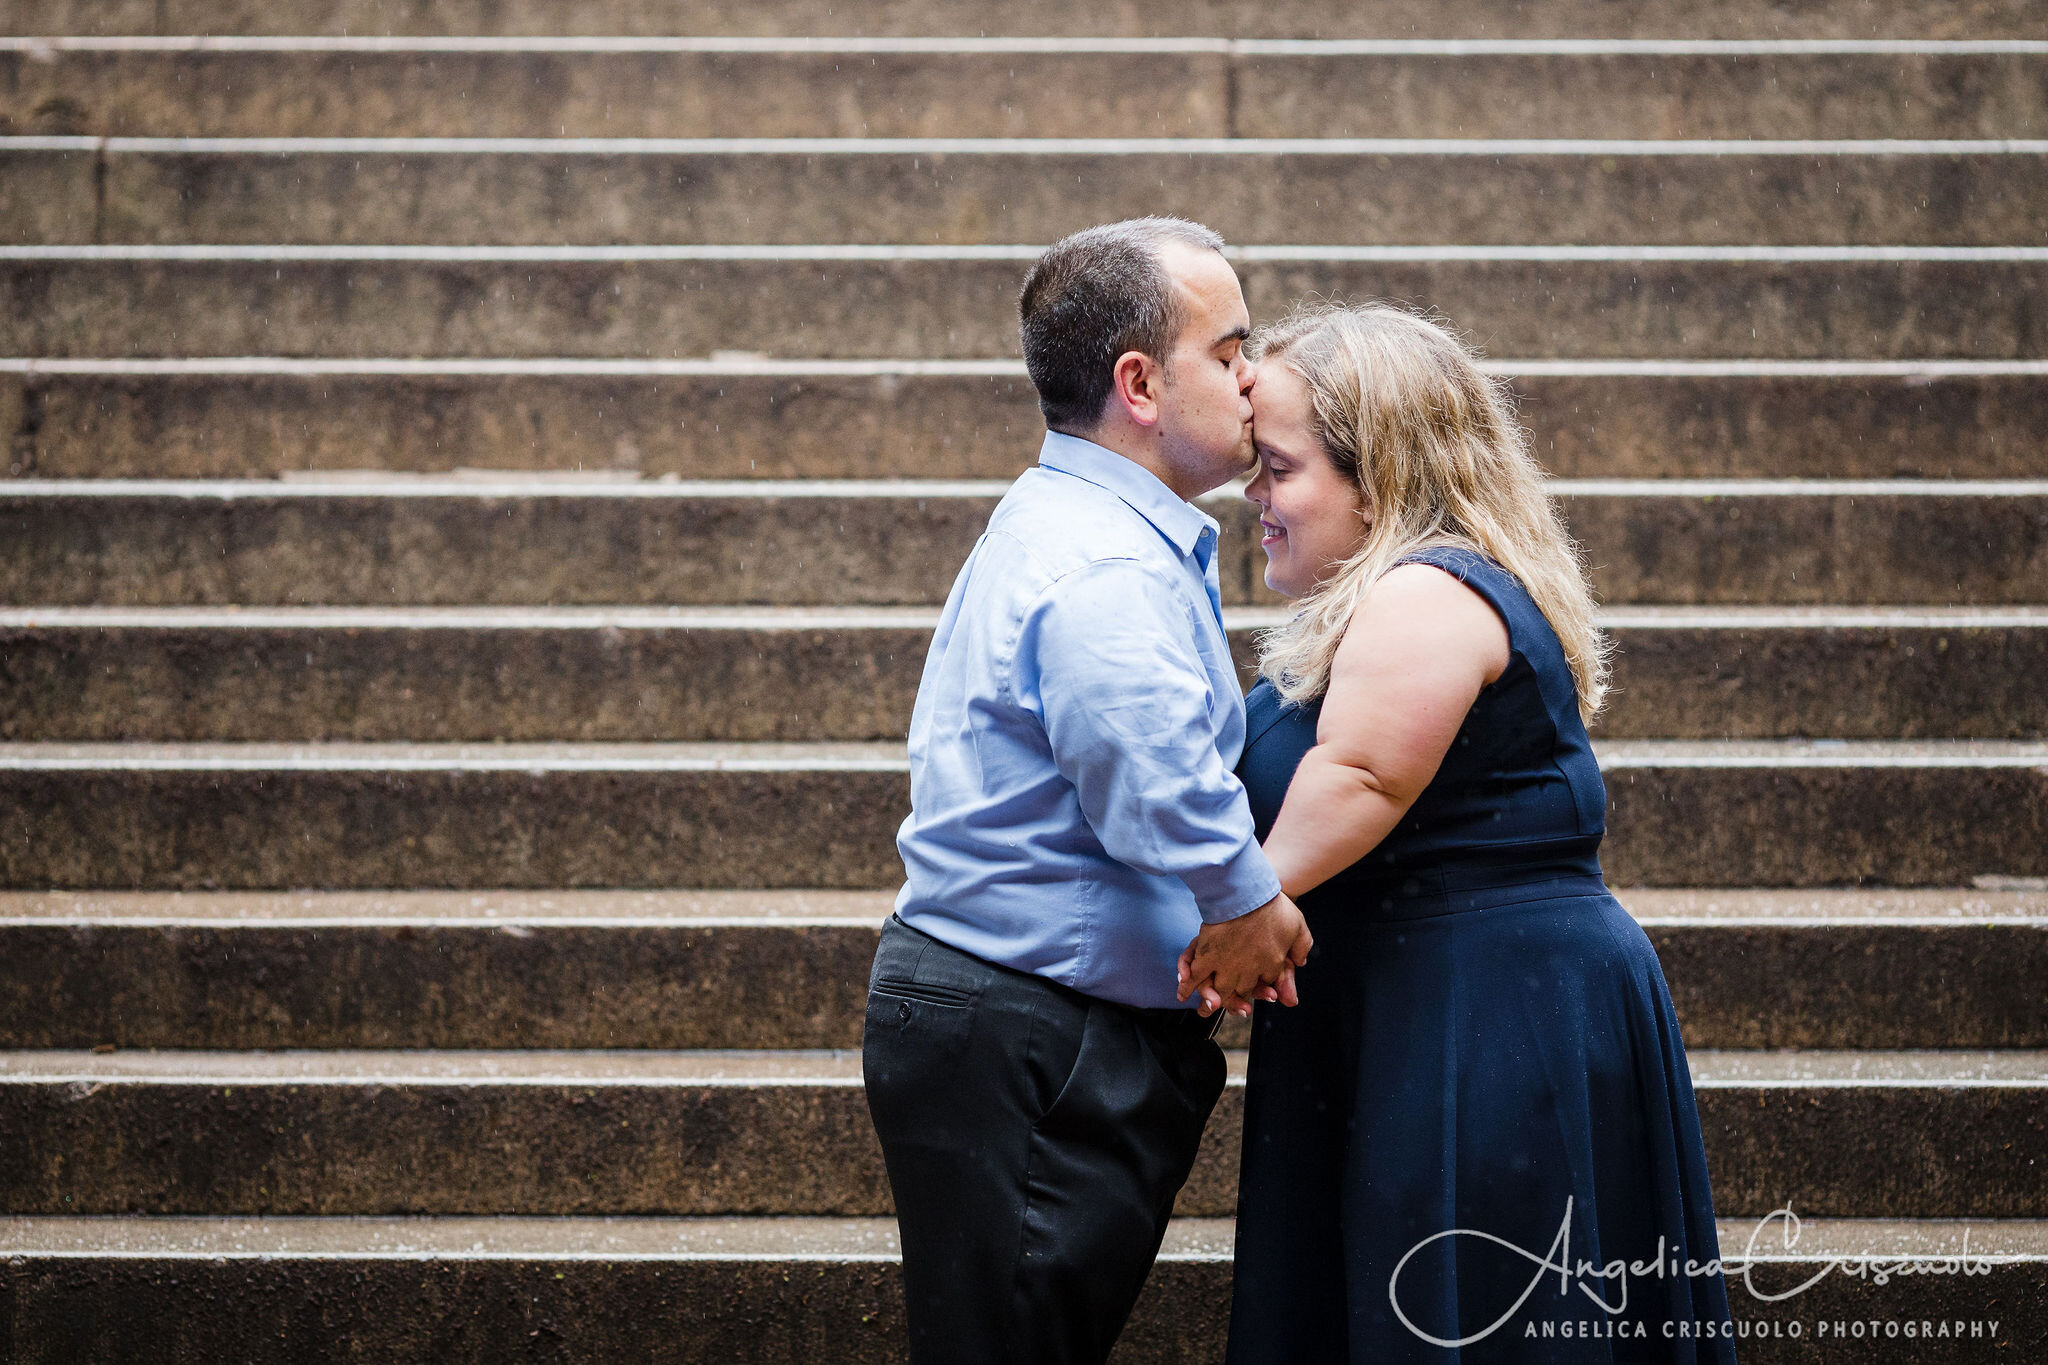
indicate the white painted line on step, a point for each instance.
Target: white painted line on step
{"x":570,"y":45}
{"x":1304,"y":254}
{"x":490,"y":484}
{"x":804,"y":619}
{"x":1622,"y":755}
{"x":517,"y":254}
{"x":309,"y":764}
{"x":1966,"y":907}
{"x":1033,"y":147}
{"x":468,"y":1238}
{"x":463,"y":1239}
{"x":1453,"y":47}
{"x":507,"y":923}
{"x":609,"y":1067}
{"x":1313,"y":254}
{"x":506,"y":910}
{"x":1811,"y":922}
{"x":561,"y":367}
{"x":658,"y":757}
{"x":808,"y":619}
{"x":1766,"y":369}
{"x":572,"y":367}
{"x":1795,"y":488}
{"x":51,"y":144}
{"x":1825,"y":618}
{"x":1618,"y":755}
{"x":513,"y":923}
{"x":1647,"y":47}
{"x":551,"y":484}
{"x":1883,"y":1069}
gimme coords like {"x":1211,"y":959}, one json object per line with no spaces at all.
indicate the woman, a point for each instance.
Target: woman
{"x":1477,"y":1128}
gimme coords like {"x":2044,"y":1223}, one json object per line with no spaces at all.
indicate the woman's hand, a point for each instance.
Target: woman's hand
{"x":1418,"y":650}
{"x":1249,"y":958}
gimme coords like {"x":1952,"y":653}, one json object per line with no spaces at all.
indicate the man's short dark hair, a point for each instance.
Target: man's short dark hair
{"x":1092,"y":297}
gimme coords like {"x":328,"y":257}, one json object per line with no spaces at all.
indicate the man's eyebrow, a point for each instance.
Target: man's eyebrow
{"x":1234,"y":334}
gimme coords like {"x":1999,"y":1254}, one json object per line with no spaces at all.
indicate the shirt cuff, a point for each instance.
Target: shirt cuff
{"x":1234,"y":888}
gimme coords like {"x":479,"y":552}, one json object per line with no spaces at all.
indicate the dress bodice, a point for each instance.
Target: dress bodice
{"x":1518,"y":797}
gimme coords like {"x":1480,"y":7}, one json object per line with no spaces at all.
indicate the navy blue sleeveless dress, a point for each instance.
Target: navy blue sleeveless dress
{"x":1486,"y":1048}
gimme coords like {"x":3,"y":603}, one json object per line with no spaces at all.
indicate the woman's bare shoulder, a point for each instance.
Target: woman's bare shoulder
{"x":1421,"y":608}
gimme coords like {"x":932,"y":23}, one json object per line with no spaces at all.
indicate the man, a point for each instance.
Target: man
{"x":1037,"y":1085}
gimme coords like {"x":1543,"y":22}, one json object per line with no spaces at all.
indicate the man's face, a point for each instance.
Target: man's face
{"x":1205,"y":404}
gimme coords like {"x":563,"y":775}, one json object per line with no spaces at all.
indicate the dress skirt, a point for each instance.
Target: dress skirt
{"x":1475,"y":1140}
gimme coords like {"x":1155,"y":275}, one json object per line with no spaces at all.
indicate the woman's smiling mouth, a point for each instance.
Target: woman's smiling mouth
{"x":1269,"y":533}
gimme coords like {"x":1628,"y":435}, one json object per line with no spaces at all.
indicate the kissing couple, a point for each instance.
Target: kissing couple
{"x":1387,"y":856}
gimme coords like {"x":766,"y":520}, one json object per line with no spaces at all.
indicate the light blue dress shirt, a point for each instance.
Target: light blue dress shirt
{"x":1073,"y":807}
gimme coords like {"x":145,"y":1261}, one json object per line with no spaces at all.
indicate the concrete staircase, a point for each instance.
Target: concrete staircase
{"x":478,"y":496}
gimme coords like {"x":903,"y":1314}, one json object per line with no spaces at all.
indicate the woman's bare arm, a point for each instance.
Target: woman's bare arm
{"x":1418,"y":650}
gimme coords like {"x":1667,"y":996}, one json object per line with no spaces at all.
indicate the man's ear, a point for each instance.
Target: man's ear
{"x":1135,"y":378}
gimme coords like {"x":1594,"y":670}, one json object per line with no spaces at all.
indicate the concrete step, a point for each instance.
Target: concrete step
{"x":740,"y":419}
{"x":501,"y":539}
{"x":1949,"y":968}
{"x":796,"y":674}
{"x":1858,"y":1134}
{"x":362,"y":816}
{"x":1008,"y":87}
{"x":1392,"y":19}
{"x":958,"y":190}
{"x":949,"y":303}
{"x":782,"y":1289}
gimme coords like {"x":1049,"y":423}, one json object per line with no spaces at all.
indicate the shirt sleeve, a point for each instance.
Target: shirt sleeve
{"x":1107,"y":660}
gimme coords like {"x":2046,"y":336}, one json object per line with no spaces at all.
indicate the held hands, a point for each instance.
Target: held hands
{"x":1249,"y":958}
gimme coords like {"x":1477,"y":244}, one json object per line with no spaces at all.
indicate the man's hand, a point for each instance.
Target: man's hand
{"x":1252,"y":957}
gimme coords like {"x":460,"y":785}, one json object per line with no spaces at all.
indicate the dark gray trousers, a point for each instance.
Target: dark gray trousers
{"x":1035,"y":1139}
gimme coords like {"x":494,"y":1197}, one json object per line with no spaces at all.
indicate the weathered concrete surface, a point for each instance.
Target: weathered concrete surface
{"x":1866,"y":986}
{"x":1756,"y":308}
{"x":543,"y":195}
{"x":308,"y":1308}
{"x":471,"y":826}
{"x":523,"y":545}
{"x":319,"y":1309}
{"x":1929,"y":425}
{"x":1867,"y":1152}
{"x":320,"y":90}
{"x":1683,"y":814}
{"x":601,"y":683}
{"x":1865,"y":545}
{"x":1399,"y":19}
{"x":405,"y":986}
{"x":528,"y":543}
{"x":1923,"y":95}
{"x":961,"y":306}
{"x":1823,"y":825}
{"x":369,"y":676}
{"x":1844,"y":682}
{"x":651,"y":93}
{"x":268,"y":1139}
{"x":631,"y":970}
{"x":724,"y":425}
{"x":51,"y":194}
{"x":906,"y":423}
{"x":420,"y":1147}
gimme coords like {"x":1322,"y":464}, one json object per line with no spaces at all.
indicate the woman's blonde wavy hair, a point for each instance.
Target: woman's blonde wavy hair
{"x":1403,"y":411}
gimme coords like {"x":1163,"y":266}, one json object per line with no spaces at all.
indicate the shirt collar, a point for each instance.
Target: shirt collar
{"x":1182,"y":523}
